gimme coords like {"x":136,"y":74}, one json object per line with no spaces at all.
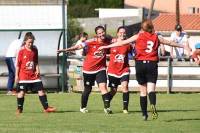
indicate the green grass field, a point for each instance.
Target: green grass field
{"x":178,"y":113}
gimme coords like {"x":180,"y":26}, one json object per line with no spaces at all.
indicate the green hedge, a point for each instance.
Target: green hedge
{"x":74,"y":29}
{"x":86,"y":8}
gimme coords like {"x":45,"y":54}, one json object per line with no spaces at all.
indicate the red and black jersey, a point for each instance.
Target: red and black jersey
{"x":94,"y":60}
{"x":118,"y":65}
{"x":27,"y":61}
{"x":147,"y":46}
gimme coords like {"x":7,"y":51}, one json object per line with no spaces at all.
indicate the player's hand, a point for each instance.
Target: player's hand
{"x":16,"y":79}
{"x":37,"y":73}
{"x":101,"y":48}
{"x":59,"y":51}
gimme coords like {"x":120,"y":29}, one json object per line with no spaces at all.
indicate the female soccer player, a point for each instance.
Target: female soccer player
{"x":28,"y":74}
{"x":118,"y":68}
{"x":94,"y":69}
{"x":146,"y":59}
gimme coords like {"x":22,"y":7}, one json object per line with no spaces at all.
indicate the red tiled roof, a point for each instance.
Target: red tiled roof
{"x":167,"y":22}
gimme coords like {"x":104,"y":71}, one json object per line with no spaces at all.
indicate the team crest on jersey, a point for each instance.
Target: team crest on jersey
{"x":98,"y":54}
{"x":29,"y":65}
{"x":119,"y":58}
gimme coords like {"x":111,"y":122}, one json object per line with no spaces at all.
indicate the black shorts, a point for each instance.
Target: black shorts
{"x":99,"y":77}
{"x":114,"y":81}
{"x":36,"y":86}
{"x":146,"y":71}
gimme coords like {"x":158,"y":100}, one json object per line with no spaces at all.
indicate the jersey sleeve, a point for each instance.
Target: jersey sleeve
{"x":19,"y":59}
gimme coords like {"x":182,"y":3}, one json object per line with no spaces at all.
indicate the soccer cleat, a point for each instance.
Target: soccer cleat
{"x":107,"y":110}
{"x":154,"y":112}
{"x":83,"y":110}
{"x":125,"y":111}
{"x":145,"y":117}
{"x":50,"y":110}
{"x":19,"y":111}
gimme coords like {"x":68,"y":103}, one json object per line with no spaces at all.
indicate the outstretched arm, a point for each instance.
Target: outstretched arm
{"x":169,"y":43}
{"x":173,"y":44}
{"x":73,"y":48}
{"x":120,"y":43}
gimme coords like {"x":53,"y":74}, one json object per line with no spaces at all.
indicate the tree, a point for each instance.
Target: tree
{"x":74,"y":29}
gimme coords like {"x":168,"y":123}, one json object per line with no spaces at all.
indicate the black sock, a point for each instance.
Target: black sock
{"x":152,"y":98}
{"x":143,"y":104}
{"x":85,"y":96}
{"x":44,"y":102}
{"x":106,"y":100}
{"x":112,"y":93}
{"x":20,"y":103}
{"x":125,"y":100}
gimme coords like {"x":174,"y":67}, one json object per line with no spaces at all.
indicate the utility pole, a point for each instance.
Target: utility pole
{"x":151,"y":9}
{"x":63,"y":76}
{"x":177,"y":12}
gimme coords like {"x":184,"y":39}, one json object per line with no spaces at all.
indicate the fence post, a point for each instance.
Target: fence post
{"x":169,"y":77}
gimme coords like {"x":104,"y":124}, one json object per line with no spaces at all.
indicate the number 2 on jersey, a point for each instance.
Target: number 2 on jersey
{"x":149,"y":46}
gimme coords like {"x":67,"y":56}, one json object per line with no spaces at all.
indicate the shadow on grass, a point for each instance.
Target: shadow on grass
{"x":174,"y":120}
{"x":176,"y":110}
{"x":66,"y":111}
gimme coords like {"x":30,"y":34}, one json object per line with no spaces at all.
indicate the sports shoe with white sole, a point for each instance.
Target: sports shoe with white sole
{"x":83,"y":110}
{"x":107,"y":110}
{"x":145,"y":117}
{"x":154,"y":112}
{"x":125,"y":111}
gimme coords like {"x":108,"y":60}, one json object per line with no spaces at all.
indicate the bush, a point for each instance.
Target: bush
{"x":74,"y":29}
{"x":86,"y":8}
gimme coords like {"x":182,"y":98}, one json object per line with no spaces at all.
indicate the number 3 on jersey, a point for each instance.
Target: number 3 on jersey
{"x":149,"y":46}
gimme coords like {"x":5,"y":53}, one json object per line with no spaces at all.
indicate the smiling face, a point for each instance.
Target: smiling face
{"x":121,"y":34}
{"x":100,"y":34}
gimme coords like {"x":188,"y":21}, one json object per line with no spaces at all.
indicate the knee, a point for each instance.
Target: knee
{"x":41,"y":93}
{"x":20,"y":94}
{"x":87,"y":90}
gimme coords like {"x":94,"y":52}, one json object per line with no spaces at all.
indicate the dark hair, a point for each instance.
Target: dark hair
{"x":27,"y":36}
{"x":178,"y":27}
{"x":121,"y":27}
{"x":99,"y":27}
{"x":83,"y":34}
{"x":147,"y":25}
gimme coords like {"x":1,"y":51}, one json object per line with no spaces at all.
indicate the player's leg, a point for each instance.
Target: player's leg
{"x":21,"y":88}
{"x":143,"y":100}
{"x":84,"y":98}
{"x":43,"y":97}
{"x":151,"y":85}
{"x":102,"y":83}
{"x":88,"y":80}
{"x":125,"y":96}
{"x":152,"y":99}
{"x":113,"y":84}
{"x":142,"y":81}
{"x":124,"y":82}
